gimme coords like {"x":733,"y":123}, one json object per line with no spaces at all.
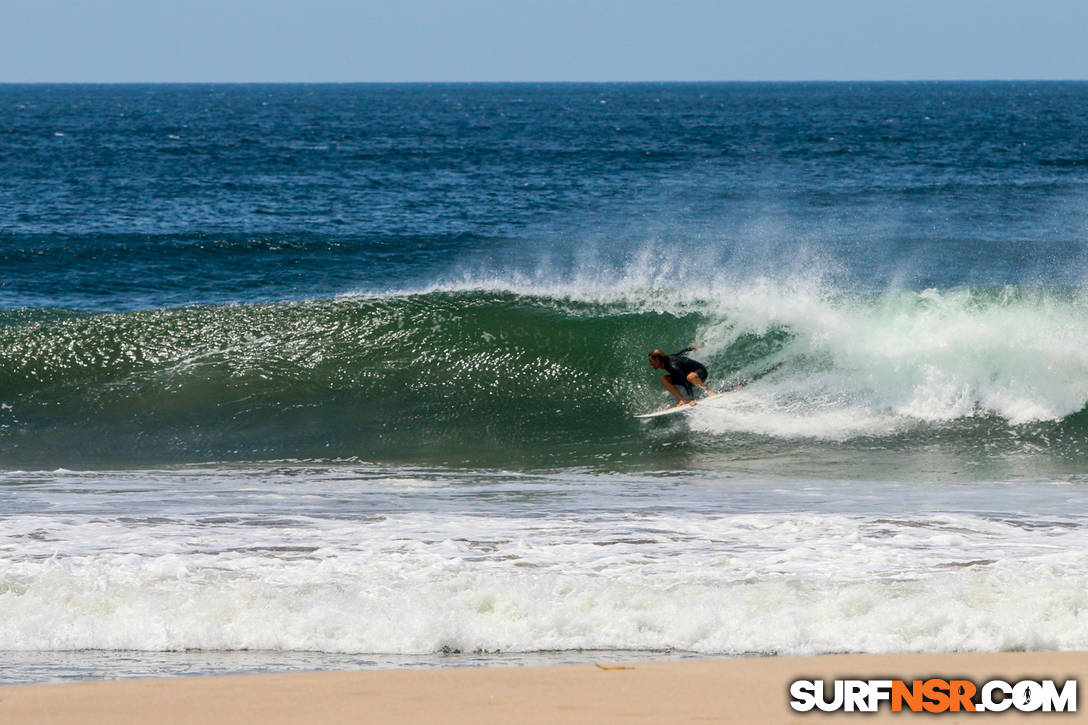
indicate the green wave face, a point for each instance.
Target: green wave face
{"x":508,"y":379}
{"x":445,"y":376}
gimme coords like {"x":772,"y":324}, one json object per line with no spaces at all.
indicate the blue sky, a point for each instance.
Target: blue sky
{"x":540,"y":40}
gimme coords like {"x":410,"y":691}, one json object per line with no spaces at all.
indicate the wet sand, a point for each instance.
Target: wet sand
{"x":749,"y":690}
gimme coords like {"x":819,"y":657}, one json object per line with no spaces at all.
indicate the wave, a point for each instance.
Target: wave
{"x":354,"y":604}
{"x":510,"y":372}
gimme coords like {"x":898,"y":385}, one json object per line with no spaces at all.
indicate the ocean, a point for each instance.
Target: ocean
{"x":343,"y":376}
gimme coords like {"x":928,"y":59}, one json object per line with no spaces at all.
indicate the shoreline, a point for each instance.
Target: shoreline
{"x":737,"y":690}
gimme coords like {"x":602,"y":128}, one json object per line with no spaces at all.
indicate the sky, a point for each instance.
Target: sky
{"x":540,"y":40}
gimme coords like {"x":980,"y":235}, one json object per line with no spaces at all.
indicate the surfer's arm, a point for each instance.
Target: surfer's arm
{"x":692,"y":348}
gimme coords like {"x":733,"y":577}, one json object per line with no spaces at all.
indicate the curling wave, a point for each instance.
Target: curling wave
{"x":477,"y":375}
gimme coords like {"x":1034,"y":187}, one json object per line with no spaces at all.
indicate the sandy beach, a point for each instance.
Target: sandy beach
{"x":727,"y":690}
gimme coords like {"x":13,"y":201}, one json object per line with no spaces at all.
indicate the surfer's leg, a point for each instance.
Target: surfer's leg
{"x":694,"y":379}
{"x":666,"y":380}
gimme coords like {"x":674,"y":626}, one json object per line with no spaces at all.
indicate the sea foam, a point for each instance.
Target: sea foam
{"x":344,"y":560}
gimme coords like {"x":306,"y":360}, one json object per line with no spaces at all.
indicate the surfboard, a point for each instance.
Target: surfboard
{"x":683,"y":408}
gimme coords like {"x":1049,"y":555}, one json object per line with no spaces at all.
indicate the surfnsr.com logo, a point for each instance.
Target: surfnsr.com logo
{"x":934,"y":695}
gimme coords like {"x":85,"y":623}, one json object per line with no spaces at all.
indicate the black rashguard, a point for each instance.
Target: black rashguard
{"x":678,"y":366}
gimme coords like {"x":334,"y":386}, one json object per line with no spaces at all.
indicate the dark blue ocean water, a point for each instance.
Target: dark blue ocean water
{"x":124,"y":197}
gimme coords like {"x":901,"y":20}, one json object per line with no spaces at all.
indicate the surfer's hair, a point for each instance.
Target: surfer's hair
{"x":656,"y":354}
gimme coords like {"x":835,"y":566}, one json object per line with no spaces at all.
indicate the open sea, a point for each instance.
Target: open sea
{"x":344,"y":376}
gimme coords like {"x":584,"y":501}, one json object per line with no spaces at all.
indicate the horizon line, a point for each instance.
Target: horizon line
{"x":544,"y":82}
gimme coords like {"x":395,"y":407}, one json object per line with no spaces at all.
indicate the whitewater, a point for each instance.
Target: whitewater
{"x":354,"y":559}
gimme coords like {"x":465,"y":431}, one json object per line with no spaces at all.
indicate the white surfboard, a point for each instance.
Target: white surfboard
{"x":683,"y":408}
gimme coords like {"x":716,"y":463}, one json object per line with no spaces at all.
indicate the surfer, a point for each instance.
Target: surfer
{"x":681,"y":371}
